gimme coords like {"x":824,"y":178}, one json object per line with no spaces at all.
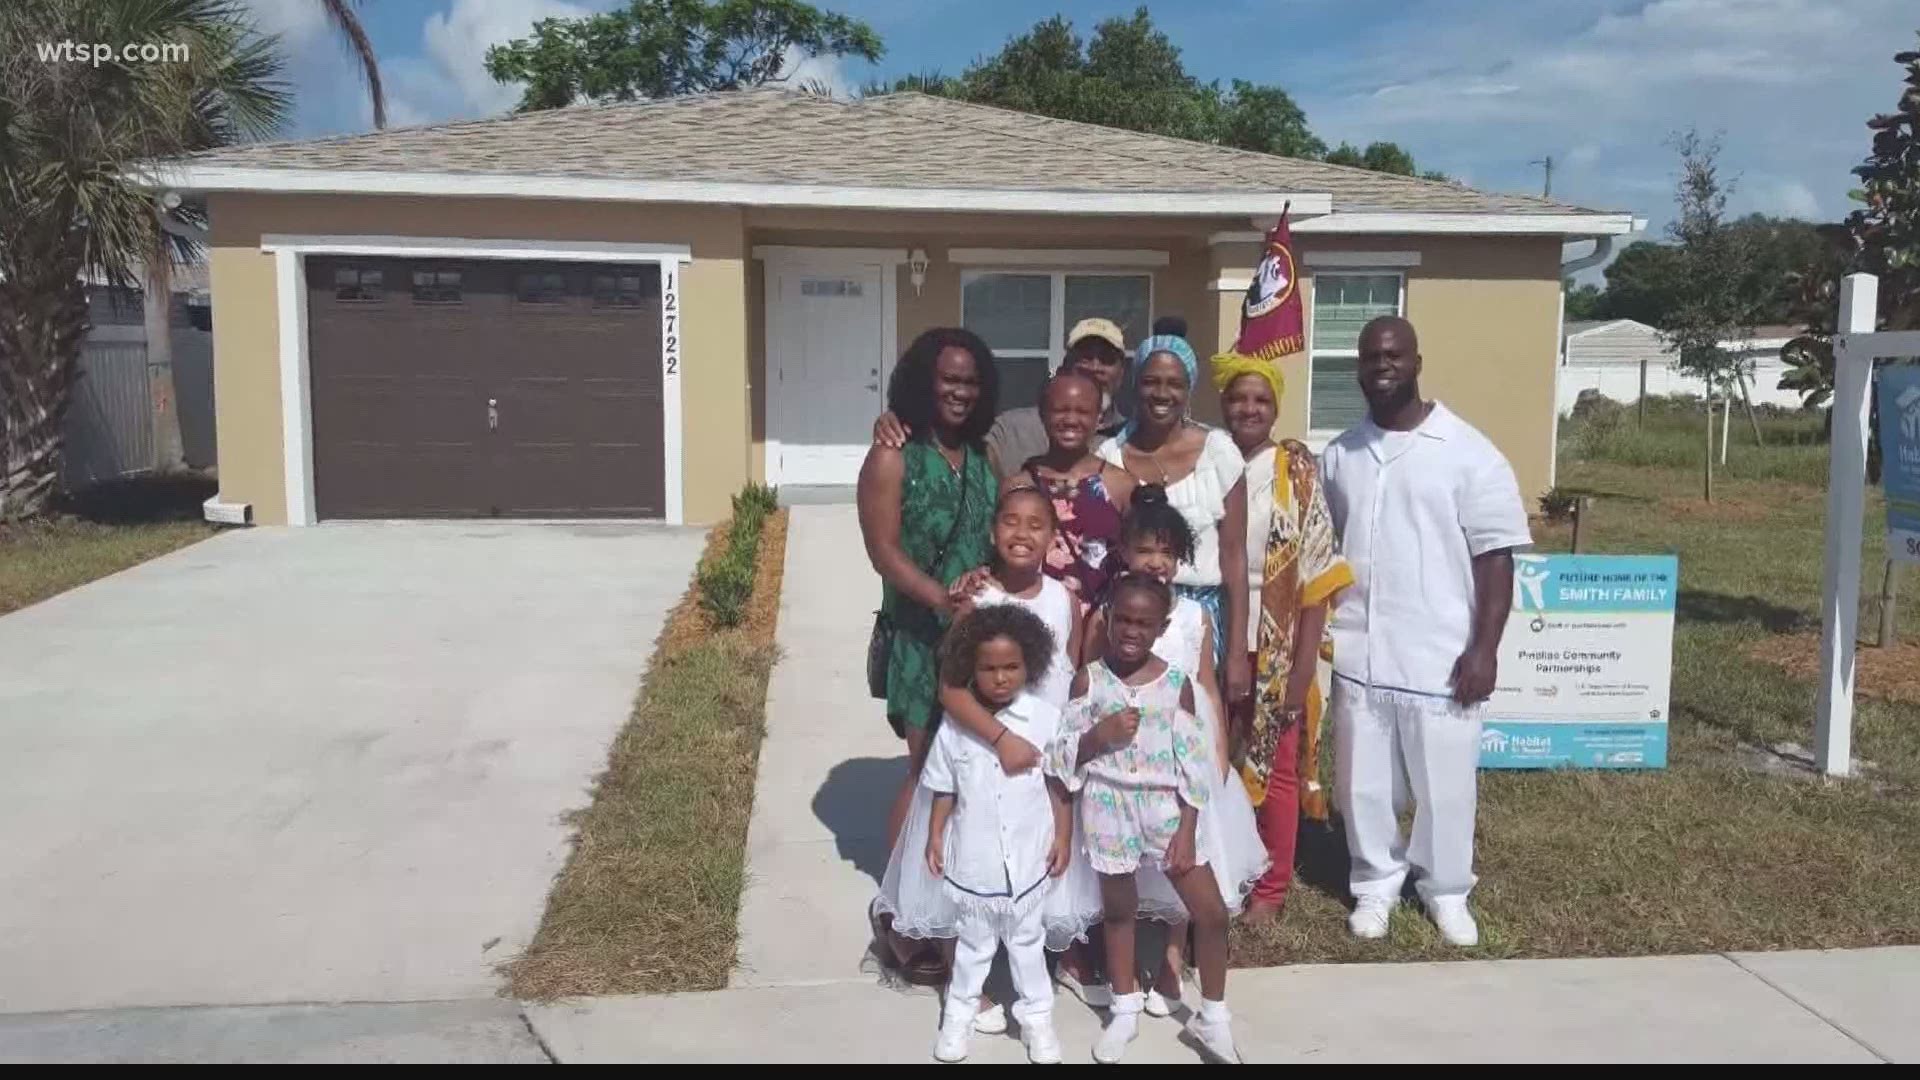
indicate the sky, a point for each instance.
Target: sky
{"x":1479,"y":89}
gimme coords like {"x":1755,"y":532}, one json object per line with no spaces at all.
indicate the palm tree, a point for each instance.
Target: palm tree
{"x":347,"y":24}
{"x":72,"y":137}
{"x":169,"y":453}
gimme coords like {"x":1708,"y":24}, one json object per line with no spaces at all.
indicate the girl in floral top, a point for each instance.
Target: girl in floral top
{"x":1143,"y":767}
{"x":1089,"y":495}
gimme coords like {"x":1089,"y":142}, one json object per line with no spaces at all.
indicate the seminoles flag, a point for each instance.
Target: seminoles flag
{"x":1272,"y":320}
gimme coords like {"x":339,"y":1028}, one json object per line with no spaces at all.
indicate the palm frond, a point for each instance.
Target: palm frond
{"x":345,"y":21}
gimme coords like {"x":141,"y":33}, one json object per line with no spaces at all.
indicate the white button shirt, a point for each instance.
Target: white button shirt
{"x":1002,"y":827}
{"x":1412,"y":510}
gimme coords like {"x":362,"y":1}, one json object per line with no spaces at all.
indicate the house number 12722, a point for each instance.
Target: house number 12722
{"x":670,"y":318}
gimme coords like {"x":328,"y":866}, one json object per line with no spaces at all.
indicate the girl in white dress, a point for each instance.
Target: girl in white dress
{"x":1023,"y":528}
{"x":1155,"y":539}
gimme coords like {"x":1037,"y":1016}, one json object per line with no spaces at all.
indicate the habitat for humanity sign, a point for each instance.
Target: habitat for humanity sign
{"x":1585,"y":664}
{"x":1900,"y":458}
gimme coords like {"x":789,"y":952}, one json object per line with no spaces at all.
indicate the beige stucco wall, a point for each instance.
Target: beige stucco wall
{"x":715,"y":401}
{"x":1486,"y":309}
{"x":246,"y":377}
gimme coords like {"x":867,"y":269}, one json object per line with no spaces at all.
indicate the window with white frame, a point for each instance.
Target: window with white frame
{"x":1342,"y":304}
{"x":1024,"y":317}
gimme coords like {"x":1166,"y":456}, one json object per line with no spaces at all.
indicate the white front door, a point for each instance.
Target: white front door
{"x":828,"y":356}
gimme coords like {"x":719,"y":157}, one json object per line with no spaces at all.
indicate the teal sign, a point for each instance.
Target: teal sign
{"x":1900,"y":458}
{"x":1585,"y":664}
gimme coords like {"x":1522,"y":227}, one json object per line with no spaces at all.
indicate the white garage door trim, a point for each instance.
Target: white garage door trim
{"x":296,"y":405}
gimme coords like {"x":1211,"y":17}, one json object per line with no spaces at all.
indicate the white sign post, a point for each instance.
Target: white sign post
{"x":1854,"y":350}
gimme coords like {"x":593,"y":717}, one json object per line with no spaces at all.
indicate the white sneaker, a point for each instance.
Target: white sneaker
{"x":1370,"y":916}
{"x":1159,"y":1005}
{"x":991,"y":1022}
{"x":1455,"y":922}
{"x":1215,"y":1038}
{"x":1111,"y":1046}
{"x":1095,"y":995}
{"x":1043,"y":1046}
{"x":955,"y":1033}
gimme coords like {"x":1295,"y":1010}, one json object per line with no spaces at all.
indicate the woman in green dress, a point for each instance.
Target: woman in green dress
{"x":926,"y":514}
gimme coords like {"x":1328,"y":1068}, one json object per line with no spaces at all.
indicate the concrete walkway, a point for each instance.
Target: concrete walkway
{"x":310,"y":765}
{"x":817,"y":842}
{"x":1840,"y":1007}
{"x":816,"y":850}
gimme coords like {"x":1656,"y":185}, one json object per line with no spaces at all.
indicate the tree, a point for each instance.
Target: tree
{"x":346,"y":23}
{"x":1583,"y":302}
{"x":71,"y":136}
{"x":1711,"y":303}
{"x":1643,"y":283}
{"x":664,"y":48}
{"x":1265,"y":119}
{"x":1130,"y":75}
{"x":1383,"y":157}
{"x":1887,"y":231}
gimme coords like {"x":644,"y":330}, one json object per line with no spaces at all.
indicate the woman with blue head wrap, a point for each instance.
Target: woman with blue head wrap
{"x":1201,"y":469}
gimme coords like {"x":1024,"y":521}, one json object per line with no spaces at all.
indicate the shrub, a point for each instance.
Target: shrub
{"x":1557,"y":505}
{"x":726,"y":581}
{"x":726,"y":584}
{"x":758,"y":497}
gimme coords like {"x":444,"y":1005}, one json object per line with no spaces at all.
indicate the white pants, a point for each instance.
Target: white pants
{"x":1389,"y":745}
{"x":973,"y":953}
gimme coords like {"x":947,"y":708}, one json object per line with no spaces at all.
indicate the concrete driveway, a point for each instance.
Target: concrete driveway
{"x":311,"y":765}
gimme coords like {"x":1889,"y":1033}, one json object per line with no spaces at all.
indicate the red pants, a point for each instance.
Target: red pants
{"x":1278,"y":816}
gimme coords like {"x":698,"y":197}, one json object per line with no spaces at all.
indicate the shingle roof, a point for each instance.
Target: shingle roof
{"x":904,"y":140}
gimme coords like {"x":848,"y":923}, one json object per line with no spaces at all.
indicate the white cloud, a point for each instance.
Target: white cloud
{"x":1779,"y":196}
{"x":449,"y":80}
{"x":801,"y":70}
{"x":300,"y":23}
{"x":1787,"y":84}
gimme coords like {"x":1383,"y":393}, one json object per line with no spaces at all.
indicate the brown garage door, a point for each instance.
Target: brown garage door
{"x":485,"y":388}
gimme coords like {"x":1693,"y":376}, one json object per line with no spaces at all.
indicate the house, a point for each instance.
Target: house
{"x":635,"y":309}
{"x":1606,"y":356}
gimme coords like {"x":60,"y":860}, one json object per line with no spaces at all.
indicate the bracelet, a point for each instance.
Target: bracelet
{"x":997,"y":738}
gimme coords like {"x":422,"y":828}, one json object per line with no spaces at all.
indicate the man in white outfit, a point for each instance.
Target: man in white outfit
{"x":1428,"y":514}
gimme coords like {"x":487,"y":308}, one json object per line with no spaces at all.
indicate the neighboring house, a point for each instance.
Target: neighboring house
{"x":1606,"y":356}
{"x":635,"y":309}
{"x":109,"y":421}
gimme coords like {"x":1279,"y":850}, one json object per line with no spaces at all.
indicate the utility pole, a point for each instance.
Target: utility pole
{"x":1546,"y":188}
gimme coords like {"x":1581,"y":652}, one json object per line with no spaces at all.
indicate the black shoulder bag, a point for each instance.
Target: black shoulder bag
{"x":880,"y":644}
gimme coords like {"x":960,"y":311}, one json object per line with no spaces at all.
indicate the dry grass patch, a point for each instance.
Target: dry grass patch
{"x":649,"y":899}
{"x":105,"y":531}
{"x":1892,"y":674}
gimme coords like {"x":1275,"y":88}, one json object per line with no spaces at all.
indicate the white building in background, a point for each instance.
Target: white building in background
{"x":1607,"y":356}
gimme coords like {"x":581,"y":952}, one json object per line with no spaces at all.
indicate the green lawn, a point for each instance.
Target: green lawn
{"x":1709,"y":854}
{"x":102,"y":532}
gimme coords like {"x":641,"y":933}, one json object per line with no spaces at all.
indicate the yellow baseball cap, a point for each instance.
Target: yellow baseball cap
{"x":1104,"y":329}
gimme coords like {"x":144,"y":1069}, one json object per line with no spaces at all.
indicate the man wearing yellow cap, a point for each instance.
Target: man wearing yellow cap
{"x":1096,"y":348}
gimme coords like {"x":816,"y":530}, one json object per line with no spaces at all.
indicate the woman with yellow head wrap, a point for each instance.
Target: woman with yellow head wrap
{"x":1294,"y":567}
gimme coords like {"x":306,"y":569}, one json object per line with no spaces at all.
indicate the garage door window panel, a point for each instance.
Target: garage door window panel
{"x":437,"y":286}
{"x":359,"y":285}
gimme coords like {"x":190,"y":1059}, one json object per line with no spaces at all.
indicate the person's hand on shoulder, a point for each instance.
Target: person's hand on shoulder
{"x":889,"y":432}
